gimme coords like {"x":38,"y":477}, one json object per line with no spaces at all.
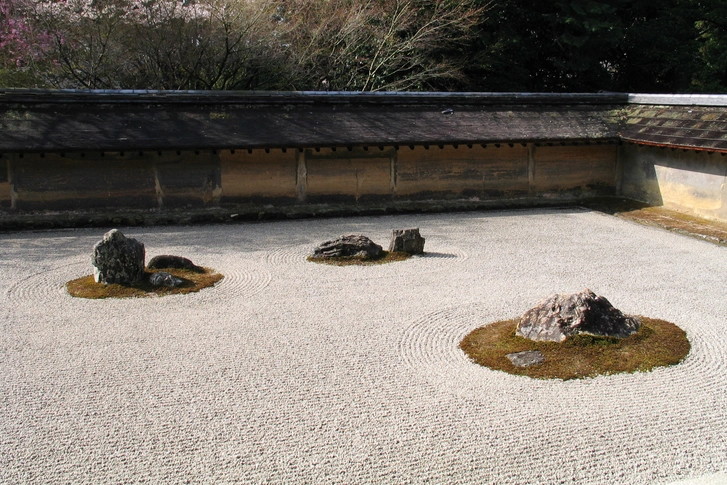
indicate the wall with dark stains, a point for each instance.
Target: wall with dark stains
{"x":259,"y":179}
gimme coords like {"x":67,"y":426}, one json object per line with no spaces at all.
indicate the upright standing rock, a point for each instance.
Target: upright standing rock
{"x":118,"y":259}
{"x":559,"y":316}
{"x":407,"y":241}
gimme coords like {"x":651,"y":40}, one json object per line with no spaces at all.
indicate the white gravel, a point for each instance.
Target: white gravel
{"x":294,"y":372}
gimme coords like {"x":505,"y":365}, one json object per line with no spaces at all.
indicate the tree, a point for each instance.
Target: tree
{"x":86,"y":35}
{"x":548,"y":46}
{"x":660,"y":49}
{"x":376,"y":45}
{"x":23,"y":45}
{"x":155,"y":44}
{"x":589,"y":45}
{"x":712,"y":26}
{"x":218,"y":44}
{"x":366,"y":45}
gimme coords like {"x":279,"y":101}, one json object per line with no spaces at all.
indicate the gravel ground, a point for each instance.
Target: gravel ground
{"x":294,"y":372}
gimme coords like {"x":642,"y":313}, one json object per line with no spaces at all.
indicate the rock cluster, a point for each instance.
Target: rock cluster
{"x":351,"y":245}
{"x":407,"y":241}
{"x":560,"y":316}
{"x":118,"y":259}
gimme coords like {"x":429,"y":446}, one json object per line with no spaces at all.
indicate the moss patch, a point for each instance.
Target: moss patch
{"x":386,"y":257}
{"x":614,"y":205}
{"x":194,"y":280}
{"x":658,"y":343}
{"x":671,"y":220}
{"x":680,"y":222}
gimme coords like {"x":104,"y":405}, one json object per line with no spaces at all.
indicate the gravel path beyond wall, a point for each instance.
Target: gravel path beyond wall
{"x":294,"y":372}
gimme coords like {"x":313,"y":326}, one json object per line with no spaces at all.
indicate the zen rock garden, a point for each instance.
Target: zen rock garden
{"x":359,"y":249}
{"x":576,"y":335}
{"x":119,"y":270}
{"x":564,"y":336}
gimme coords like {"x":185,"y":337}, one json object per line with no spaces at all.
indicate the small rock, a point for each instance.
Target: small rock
{"x":559,"y":316}
{"x":167,"y":261}
{"x":352,"y":245}
{"x":407,"y":240}
{"x":118,"y":259}
{"x":164,"y":279}
{"x":527,"y":358}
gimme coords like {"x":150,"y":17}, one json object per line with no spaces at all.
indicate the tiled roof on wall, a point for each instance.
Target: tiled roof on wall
{"x":41,"y":120}
{"x":695,"y":127}
{"x":120,"y":120}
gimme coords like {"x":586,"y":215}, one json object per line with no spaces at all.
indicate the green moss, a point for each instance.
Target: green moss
{"x":658,"y":343}
{"x":193,"y":281}
{"x":386,"y":257}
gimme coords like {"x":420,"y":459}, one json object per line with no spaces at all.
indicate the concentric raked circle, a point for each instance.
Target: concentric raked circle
{"x":45,"y":286}
{"x":430,"y":347}
{"x":242,"y":277}
{"x":631,"y":416}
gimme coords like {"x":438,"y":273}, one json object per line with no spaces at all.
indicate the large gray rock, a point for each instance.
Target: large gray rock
{"x":559,"y":316}
{"x":407,"y":241}
{"x":351,"y":245}
{"x":118,"y":259}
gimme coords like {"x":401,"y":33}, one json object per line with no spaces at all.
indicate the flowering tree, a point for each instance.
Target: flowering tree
{"x":87,"y":37}
{"x":236,"y":44}
{"x":23,"y":45}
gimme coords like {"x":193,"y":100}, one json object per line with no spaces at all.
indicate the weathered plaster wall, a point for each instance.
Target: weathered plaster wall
{"x":592,"y":167}
{"x":5,"y":187}
{"x":188,"y":179}
{"x":375,"y":176}
{"x":468,"y":172}
{"x":356,"y":176}
{"x":81,"y":181}
{"x":691,"y":181}
{"x":258,"y":176}
{"x":112,"y":180}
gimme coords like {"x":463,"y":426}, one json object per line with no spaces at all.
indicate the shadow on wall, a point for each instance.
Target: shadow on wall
{"x":691,"y":181}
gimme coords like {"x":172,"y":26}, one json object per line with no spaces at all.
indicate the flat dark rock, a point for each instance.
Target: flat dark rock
{"x":351,"y":245}
{"x":526,"y":358}
{"x":175,"y":262}
{"x":165,"y":279}
{"x":560,"y":316}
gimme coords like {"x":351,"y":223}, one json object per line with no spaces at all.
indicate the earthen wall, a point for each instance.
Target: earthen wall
{"x":356,"y":176}
{"x":687,"y":180}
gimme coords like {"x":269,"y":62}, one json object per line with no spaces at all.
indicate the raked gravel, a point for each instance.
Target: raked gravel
{"x":294,"y":372}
